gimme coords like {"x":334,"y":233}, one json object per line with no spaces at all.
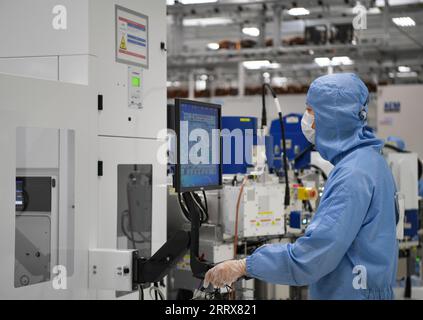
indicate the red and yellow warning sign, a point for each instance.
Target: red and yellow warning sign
{"x":132,"y":37}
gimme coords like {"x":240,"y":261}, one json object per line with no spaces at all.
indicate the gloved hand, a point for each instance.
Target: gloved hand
{"x":225,"y":273}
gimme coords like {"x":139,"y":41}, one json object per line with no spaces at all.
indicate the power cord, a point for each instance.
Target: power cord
{"x":306,"y":203}
{"x":197,"y":200}
{"x":320,"y":170}
{"x":124,"y":214}
{"x":140,"y":292}
{"x":157,"y":292}
{"x":285,"y":159}
{"x":205,"y":202}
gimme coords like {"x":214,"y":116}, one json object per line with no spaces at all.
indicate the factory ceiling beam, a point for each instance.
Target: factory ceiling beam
{"x":270,"y":50}
{"x":369,"y":54}
{"x":316,"y":10}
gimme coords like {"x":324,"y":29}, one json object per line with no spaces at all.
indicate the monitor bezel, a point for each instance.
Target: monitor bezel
{"x":177,"y":181}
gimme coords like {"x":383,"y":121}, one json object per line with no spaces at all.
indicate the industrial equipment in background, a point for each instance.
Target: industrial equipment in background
{"x":407,"y":171}
{"x":250,"y":209}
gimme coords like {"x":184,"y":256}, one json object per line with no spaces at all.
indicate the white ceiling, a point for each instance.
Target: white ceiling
{"x":381,"y":48}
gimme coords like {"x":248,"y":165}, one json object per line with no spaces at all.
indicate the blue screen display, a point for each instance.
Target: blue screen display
{"x":199,"y":146}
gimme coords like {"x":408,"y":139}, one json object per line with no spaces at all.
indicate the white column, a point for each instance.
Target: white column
{"x":386,"y":23}
{"x":191,"y":86}
{"x":241,"y":79}
{"x":262,"y":37}
{"x":178,"y":37}
{"x":277,"y":24}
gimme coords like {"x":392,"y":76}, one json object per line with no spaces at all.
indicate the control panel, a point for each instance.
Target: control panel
{"x":135,"y":84}
{"x":110,"y":269}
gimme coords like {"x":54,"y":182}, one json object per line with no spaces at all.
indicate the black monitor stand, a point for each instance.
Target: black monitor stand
{"x":199,"y":267}
{"x":158,"y":266}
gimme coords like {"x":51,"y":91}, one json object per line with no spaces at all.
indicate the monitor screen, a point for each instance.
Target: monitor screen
{"x":198,"y":128}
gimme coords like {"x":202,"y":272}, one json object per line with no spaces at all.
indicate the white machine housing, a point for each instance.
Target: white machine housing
{"x":58,"y":78}
{"x":215,"y":253}
{"x":111,"y":269}
{"x":261,"y":210}
{"x":404,"y":169}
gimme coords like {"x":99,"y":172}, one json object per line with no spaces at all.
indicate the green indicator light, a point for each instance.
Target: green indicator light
{"x":136,"y":82}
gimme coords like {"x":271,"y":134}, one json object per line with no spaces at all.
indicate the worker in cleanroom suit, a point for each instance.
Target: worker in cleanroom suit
{"x":350,"y":250}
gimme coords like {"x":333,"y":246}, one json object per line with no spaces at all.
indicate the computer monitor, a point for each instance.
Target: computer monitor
{"x":199,"y":146}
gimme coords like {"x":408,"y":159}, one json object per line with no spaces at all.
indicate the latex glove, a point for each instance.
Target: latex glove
{"x":225,"y":273}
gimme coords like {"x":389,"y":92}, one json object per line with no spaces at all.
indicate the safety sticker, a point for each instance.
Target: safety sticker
{"x":131,"y":37}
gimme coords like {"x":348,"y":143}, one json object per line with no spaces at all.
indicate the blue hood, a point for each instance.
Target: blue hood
{"x":338,"y":101}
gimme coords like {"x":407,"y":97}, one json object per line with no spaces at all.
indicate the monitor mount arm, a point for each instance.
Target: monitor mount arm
{"x":199,"y":267}
{"x":158,"y":266}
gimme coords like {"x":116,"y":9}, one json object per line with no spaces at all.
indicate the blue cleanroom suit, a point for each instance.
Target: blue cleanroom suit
{"x":350,"y":250}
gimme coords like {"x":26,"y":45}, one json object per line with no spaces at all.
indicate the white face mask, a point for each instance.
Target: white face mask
{"x":307,"y":127}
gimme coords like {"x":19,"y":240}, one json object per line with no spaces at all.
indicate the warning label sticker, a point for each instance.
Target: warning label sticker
{"x":131,"y":37}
